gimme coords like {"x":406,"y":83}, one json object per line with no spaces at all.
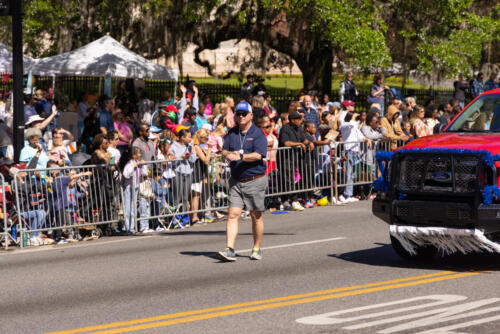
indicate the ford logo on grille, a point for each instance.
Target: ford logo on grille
{"x":441,"y":176}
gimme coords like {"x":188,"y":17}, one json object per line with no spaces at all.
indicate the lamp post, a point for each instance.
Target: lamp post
{"x":17,"y":70}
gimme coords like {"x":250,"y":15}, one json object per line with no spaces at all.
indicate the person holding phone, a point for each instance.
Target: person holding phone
{"x":352,"y":137}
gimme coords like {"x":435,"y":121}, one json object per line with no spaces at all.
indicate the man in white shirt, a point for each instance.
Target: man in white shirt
{"x":352,"y":137}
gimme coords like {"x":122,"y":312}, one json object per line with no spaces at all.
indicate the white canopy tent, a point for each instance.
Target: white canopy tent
{"x":101,"y":58}
{"x":6,"y":60}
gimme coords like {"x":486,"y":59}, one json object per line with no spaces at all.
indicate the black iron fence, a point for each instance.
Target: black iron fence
{"x":72,"y":86}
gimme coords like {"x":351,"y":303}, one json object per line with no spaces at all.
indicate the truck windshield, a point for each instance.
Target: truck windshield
{"x":481,"y":116}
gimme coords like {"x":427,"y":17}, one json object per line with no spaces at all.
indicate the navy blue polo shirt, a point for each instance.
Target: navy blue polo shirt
{"x":253,"y":141}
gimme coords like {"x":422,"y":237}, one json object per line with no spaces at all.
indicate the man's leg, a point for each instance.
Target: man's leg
{"x":232,"y":226}
{"x":257,"y":228}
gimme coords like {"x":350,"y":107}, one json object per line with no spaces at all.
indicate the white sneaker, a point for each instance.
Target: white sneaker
{"x":352,"y":200}
{"x":159,"y":229}
{"x":40,"y":240}
{"x":220,"y":195}
{"x":147,"y":230}
{"x":34,"y":242}
{"x":297,"y":207}
{"x":341,"y":200}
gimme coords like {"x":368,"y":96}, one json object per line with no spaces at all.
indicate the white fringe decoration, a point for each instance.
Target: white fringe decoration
{"x":448,"y":240}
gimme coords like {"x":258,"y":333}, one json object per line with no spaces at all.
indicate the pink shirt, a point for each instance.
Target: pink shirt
{"x":124,"y":129}
{"x":208,"y":109}
{"x":230,"y":116}
{"x":216,"y":143}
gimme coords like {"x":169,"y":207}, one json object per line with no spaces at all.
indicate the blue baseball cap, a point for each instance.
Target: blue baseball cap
{"x":243,"y":106}
{"x":335,"y":104}
{"x":155,"y":129}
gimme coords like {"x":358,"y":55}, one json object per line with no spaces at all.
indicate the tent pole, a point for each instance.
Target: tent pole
{"x":53,"y":86}
{"x":17,"y":67}
{"x":175,"y":90}
{"x":100,"y":86}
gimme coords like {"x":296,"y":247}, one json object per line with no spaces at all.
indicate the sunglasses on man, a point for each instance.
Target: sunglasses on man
{"x":242,"y":114}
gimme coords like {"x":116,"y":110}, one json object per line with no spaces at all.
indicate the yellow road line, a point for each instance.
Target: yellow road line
{"x":281,"y":304}
{"x":253,"y":303}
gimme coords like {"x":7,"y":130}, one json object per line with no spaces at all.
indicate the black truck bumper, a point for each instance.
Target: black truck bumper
{"x":438,"y":214}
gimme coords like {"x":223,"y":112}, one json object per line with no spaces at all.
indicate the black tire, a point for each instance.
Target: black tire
{"x":423,"y":252}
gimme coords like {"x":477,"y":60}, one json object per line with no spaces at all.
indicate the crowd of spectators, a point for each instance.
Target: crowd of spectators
{"x":185,"y":132}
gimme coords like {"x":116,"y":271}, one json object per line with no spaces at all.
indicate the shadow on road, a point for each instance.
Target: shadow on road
{"x":211,"y":255}
{"x":218,"y":232}
{"x":384,"y":256}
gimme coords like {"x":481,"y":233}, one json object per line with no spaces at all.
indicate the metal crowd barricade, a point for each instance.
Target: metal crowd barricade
{"x":6,"y":235}
{"x":170,"y":191}
{"x":166,"y":192}
{"x":292,"y":170}
{"x":64,"y":199}
{"x":355,"y":163}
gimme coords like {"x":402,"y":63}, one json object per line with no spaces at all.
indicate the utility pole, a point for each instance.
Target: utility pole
{"x":17,"y":69}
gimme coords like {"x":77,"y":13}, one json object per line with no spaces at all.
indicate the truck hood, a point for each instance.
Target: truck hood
{"x":467,"y":141}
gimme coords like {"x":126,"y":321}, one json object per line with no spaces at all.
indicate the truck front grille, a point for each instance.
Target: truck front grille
{"x":431,"y":173}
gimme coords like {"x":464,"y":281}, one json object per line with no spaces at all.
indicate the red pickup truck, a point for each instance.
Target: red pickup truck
{"x":441,"y":193}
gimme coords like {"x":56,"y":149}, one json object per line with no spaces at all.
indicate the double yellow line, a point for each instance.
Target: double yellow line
{"x":266,"y":304}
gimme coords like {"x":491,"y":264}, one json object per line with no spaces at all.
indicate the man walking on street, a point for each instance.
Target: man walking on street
{"x":245,"y":147}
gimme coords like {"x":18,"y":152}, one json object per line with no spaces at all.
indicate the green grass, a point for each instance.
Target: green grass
{"x":294,"y":82}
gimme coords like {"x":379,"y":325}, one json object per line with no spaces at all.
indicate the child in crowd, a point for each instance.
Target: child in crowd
{"x":74,"y":196}
{"x":406,"y":125}
{"x":160,"y":192}
{"x":58,"y":152}
{"x":131,"y":178}
{"x":314,"y":160}
{"x":146,"y":195}
{"x":59,"y":199}
{"x":216,"y":139}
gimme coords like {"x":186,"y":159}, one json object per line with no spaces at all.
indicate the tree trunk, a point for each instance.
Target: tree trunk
{"x":316,"y":70}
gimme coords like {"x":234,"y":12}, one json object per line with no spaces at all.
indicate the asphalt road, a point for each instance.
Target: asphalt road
{"x":325,"y":270}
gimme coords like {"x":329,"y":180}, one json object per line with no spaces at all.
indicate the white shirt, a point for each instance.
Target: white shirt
{"x":115,"y":153}
{"x":132,"y":175}
{"x":342,"y":117}
{"x":351,"y":135}
{"x":65,"y":145}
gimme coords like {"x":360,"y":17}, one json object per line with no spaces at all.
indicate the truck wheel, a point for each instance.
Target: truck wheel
{"x":423,"y":252}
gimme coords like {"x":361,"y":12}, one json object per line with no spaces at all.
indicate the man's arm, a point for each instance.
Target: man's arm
{"x":230,"y":156}
{"x":49,"y":119}
{"x":196,"y":98}
{"x":79,"y":175}
{"x":251,"y":157}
